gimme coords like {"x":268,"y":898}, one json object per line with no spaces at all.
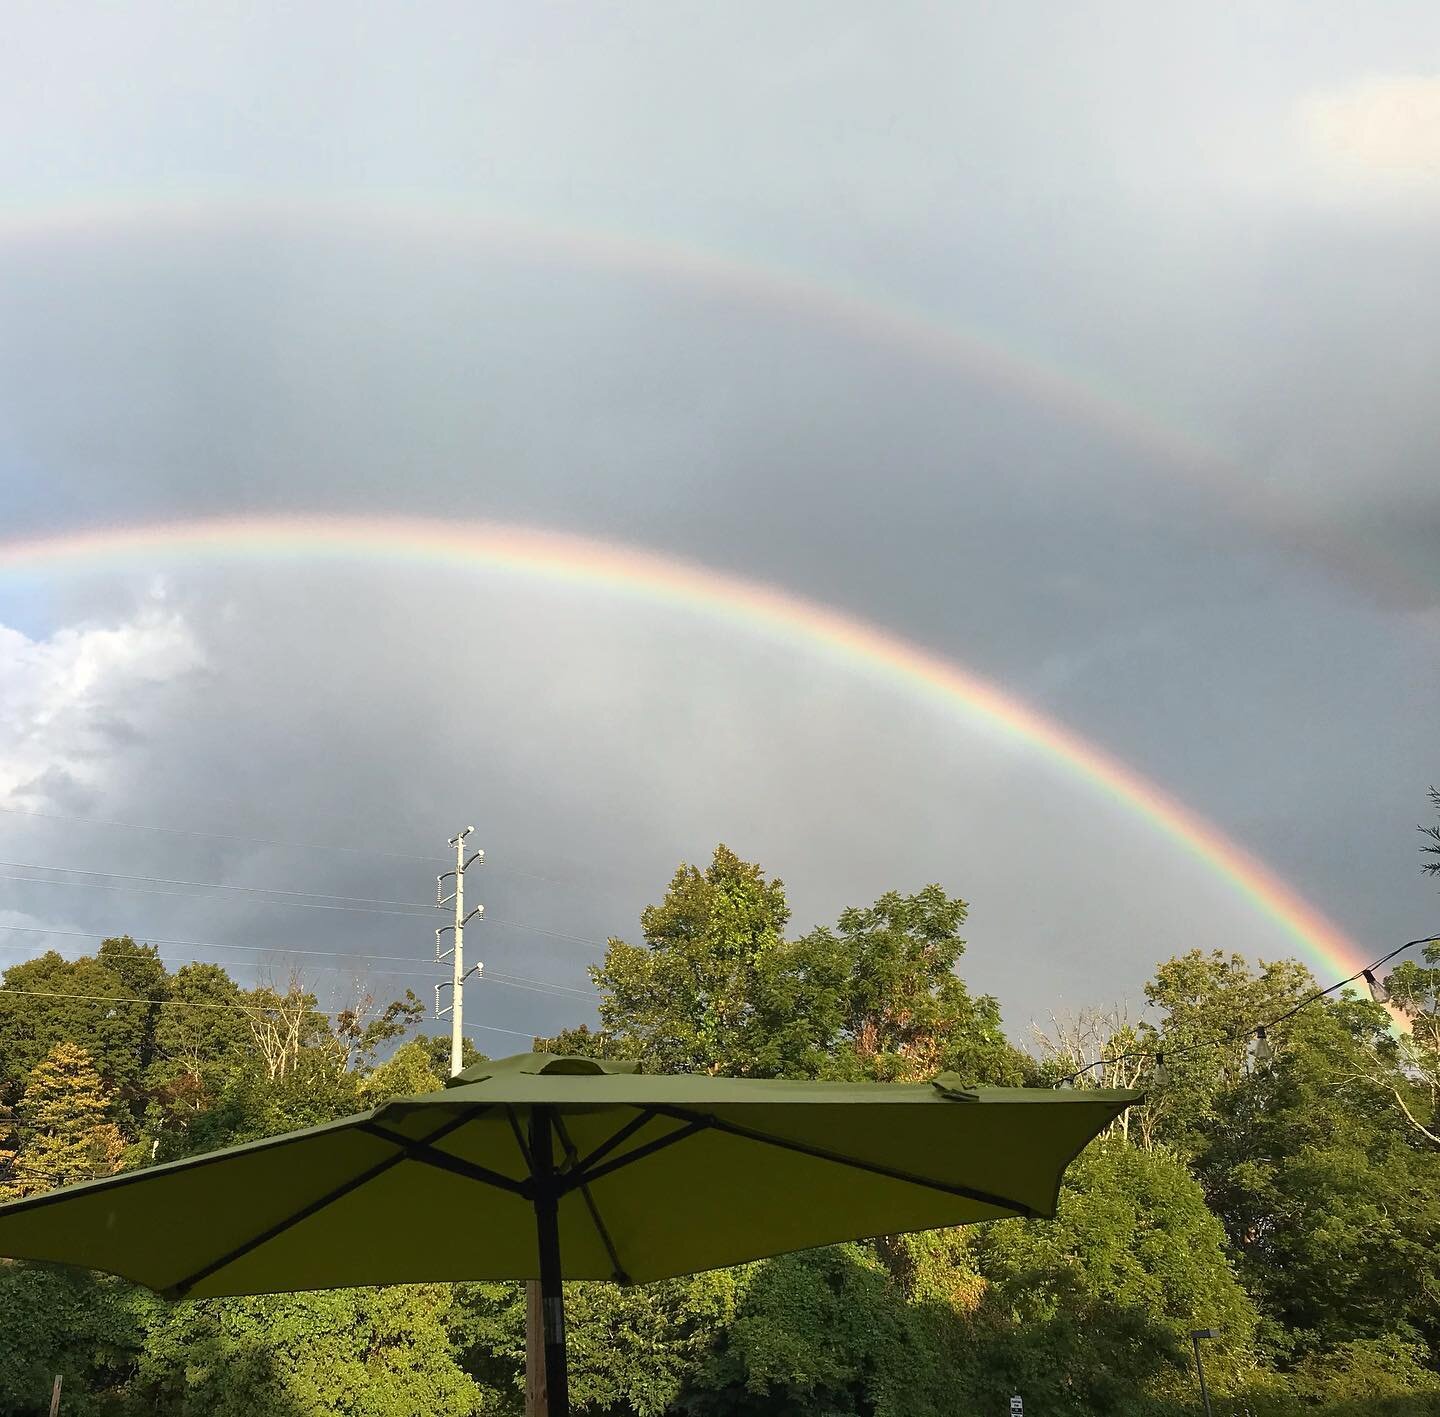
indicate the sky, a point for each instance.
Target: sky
{"x":1088,"y":348}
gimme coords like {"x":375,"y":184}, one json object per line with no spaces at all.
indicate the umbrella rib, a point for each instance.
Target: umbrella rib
{"x":573,"y":1179}
{"x":699,"y":1120}
{"x":619,"y":1275}
{"x":428,"y":1155}
{"x":182,"y":1287}
{"x":623,"y":1135}
{"x":519,"y":1138}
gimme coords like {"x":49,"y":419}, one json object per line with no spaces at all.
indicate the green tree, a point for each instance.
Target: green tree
{"x":142,"y":975}
{"x":66,"y":1134}
{"x":1414,"y":990}
{"x":1432,"y":834}
{"x":630,"y":1350}
{"x":437,"y":1049}
{"x":904,"y":1013}
{"x":356,"y":1352}
{"x":202,"y":1039}
{"x":87,"y":1328}
{"x":1386,"y":1375}
{"x":364,"y":1029}
{"x":1091,"y":1312}
{"x":408,"y":1070}
{"x":825,"y":1332}
{"x":86,"y":1002}
{"x":717,"y":988}
{"x":1331,"y":1202}
{"x":687,"y":997}
{"x":1211,"y":1004}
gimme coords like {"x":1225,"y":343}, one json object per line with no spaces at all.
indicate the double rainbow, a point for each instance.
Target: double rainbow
{"x":750,"y":605}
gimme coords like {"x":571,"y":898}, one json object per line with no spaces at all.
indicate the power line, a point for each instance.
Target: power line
{"x":422,"y":965}
{"x":210,"y":945}
{"x":515,"y":1032}
{"x":153,"y":1003}
{"x":563,"y":988}
{"x":219,"y":886}
{"x":548,"y":934}
{"x":273,"y":841}
{"x":322,"y":900}
{"x":186,"y":895}
{"x":222,"y":836}
{"x":5,"y":990}
{"x":538,"y":986}
{"x":1257,"y":1030}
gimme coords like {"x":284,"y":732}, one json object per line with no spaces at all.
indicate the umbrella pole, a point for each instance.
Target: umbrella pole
{"x":552,"y":1293}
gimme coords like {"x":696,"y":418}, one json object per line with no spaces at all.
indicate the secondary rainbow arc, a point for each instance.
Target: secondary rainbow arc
{"x":876,"y":317}
{"x":768,"y":609}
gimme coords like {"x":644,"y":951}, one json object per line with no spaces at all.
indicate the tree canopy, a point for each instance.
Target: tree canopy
{"x":1291,"y":1205}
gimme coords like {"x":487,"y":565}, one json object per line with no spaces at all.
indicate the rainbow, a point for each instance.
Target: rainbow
{"x":754,"y":607}
{"x":878,"y":319}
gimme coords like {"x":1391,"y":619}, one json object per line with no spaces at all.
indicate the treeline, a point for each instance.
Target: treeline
{"x":1290,"y":1204}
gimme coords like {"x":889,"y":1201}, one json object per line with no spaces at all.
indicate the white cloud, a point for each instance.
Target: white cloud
{"x":69,"y":701}
{"x":1384,"y":127}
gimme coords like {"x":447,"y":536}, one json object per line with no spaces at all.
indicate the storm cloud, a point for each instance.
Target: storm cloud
{"x":1092,"y":347}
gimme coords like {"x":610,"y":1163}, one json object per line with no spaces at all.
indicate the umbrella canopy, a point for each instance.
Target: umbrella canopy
{"x":550,"y":1167}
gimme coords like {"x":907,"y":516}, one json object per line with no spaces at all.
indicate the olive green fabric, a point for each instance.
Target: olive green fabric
{"x":434,"y":1187}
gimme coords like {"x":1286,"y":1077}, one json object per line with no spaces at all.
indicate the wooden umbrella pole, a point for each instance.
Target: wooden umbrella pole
{"x":552,"y":1294}
{"x":534,"y":1350}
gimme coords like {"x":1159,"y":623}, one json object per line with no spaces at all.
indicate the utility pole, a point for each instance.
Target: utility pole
{"x":536,"y":1392}
{"x":458,"y":974}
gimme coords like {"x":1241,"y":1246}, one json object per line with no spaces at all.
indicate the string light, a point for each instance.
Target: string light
{"x":1262,"y":1051}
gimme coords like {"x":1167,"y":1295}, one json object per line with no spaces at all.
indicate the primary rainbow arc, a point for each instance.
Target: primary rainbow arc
{"x":563,"y":557}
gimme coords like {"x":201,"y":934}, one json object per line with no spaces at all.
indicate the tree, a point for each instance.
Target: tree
{"x":904,"y":1013}
{"x":406,"y":1071}
{"x":87,"y":1328}
{"x":356,"y":1352}
{"x":142,"y":975}
{"x":1211,"y":1004}
{"x":1091,"y":1312}
{"x":582,"y":1041}
{"x":86,"y":1002}
{"x":361,"y":1031}
{"x":1331,"y":1202}
{"x":202,"y":1039}
{"x":289,"y":1032}
{"x":1432,"y":833}
{"x":1101,"y":1048}
{"x":65,"y":1130}
{"x":630,"y":1350}
{"x":717,"y":988}
{"x":437,"y":1050}
{"x":1414,"y":991}
{"x":824,"y":1332}
{"x":687,"y":996}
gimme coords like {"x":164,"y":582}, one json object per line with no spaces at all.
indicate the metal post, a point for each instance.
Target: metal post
{"x":1195,"y":1337}
{"x":556,"y":1392}
{"x":458,"y":973}
{"x":457,"y":987}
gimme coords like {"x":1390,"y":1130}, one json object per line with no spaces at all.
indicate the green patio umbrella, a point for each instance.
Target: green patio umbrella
{"x":551,"y":1168}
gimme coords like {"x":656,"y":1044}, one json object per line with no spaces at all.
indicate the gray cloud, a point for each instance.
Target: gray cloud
{"x":1128,"y":195}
